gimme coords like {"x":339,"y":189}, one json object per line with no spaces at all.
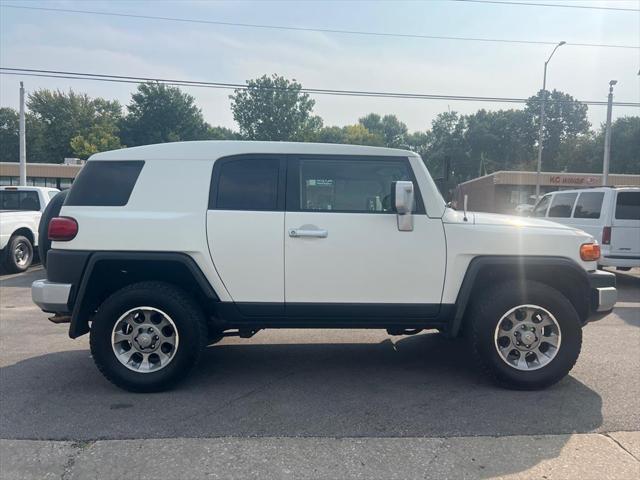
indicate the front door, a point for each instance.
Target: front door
{"x":344,"y":254}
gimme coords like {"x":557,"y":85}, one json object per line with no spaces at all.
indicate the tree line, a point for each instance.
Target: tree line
{"x":455,"y":146}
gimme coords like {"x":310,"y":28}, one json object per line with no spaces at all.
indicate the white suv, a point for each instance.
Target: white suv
{"x":159,"y":251}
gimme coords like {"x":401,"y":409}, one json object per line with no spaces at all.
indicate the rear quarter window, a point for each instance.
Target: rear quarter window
{"x":104,"y":184}
{"x":628,"y":206}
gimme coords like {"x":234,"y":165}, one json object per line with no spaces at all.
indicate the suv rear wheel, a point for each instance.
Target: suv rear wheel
{"x":525,"y":338}
{"x":147,"y":336}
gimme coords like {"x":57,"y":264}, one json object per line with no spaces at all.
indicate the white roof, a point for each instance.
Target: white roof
{"x":597,"y":189}
{"x":213,"y":149}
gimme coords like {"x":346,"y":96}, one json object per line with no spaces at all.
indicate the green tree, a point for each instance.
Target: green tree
{"x":565,"y":119}
{"x":326,"y":135}
{"x":392,"y":131}
{"x":274,"y":108}
{"x":358,"y":134}
{"x":500,"y":140}
{"x":57,"y":117}
{"x":447,"y":148}
{"x":220,"y":133}
{"x":625,"y":145}
{"x":161,"y":113}
{"x":97,"y":139}
{"x":9,"y":135}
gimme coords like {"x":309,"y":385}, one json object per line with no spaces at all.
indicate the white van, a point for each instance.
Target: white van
{"x":610,"y":214}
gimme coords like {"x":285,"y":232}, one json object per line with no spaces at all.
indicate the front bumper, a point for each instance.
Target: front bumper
{"x":604,"y":294}
{"x":50,"y":296}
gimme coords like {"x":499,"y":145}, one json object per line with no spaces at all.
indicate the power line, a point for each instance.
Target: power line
{"x":240,"y":86}
{"x":565,"y":5}
{"x":320,"y":30}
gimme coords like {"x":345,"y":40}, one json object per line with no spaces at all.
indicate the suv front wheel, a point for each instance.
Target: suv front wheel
{"x":147,"y":336}
{"x":525,"y":335}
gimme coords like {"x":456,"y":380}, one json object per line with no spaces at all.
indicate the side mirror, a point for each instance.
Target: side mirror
{"x":402,"y":200}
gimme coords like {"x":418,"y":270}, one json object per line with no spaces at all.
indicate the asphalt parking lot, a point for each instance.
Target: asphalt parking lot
{"x":322,"y":385}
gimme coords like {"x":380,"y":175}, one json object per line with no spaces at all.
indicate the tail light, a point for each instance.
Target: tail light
{"x":606,"y":236}
{"x":589,"y":252}
{"x":62,"y":229}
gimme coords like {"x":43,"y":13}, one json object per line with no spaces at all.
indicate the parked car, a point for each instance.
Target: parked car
{"x":610,"y":214}
{"x":523,"y":209}
{"x":161,"y":250}
{"x":20,"y":211}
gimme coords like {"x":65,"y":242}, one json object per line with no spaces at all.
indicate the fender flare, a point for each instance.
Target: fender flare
{"x":79,"y":324}
{"x":521,"y":264}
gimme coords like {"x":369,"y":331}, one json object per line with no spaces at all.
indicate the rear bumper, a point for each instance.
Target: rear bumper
{"x":604,"y":294}
{"x":50,"y":296}
{"x":619,"y":261}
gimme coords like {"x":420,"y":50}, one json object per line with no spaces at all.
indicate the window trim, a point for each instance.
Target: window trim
{"x":217,"y":170}
{"x":293,"y":181}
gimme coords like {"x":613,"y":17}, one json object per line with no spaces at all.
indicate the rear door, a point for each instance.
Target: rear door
{"x":344,"y":255}
{"x":245,"y":224}
{"x":625,"y":225}
{"x":587,"y":214}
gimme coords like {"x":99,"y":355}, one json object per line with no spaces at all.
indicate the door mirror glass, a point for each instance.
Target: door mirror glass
{"x":402,"y":199}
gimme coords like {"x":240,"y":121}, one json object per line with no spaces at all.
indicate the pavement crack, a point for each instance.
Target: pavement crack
{"x":79,"y":448}
{"x":621,"y":446}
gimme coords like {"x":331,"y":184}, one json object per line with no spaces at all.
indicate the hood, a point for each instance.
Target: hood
{"x":481,"y":218}
{"x":496,"y":219}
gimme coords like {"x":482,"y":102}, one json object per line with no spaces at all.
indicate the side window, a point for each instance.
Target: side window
{"x":562,"y":205}
{"x":541,"y":208}
{"x":246,"y":184}
{"x":628,"y":206}
{"x":356,"y":186}
{"x":589,"y":205}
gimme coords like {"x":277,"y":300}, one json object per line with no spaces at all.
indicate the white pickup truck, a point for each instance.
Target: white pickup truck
{"x":159,"y":251}
{"x":20,"y":212}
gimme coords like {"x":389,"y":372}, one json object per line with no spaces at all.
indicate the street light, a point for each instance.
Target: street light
{"x":542,"y":102}
{"x":607,"y":136}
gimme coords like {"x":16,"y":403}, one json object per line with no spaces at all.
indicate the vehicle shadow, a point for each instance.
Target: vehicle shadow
{"x":421,"y":386}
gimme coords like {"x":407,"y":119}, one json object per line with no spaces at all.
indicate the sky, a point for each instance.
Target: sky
{"x":166,"y":49}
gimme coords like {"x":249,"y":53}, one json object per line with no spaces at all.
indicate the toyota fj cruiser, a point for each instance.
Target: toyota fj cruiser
{"x":161,"y":250}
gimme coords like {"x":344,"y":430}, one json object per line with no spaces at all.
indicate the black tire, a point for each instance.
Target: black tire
{"x":188,"y":318}
{"x":52,"y":210}
{"x":487,"y":311}
{"x":12,"y":262}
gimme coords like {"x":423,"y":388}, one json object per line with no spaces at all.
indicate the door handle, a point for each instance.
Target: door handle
{"x":308,"y":231}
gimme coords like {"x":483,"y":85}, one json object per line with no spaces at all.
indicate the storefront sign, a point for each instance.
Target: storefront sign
{"x":573,"y":180}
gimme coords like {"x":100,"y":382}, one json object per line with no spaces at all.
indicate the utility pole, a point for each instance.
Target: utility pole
{"x":607,"y":136}
{"x":23,"y":140}
{"x":541,"y":128}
